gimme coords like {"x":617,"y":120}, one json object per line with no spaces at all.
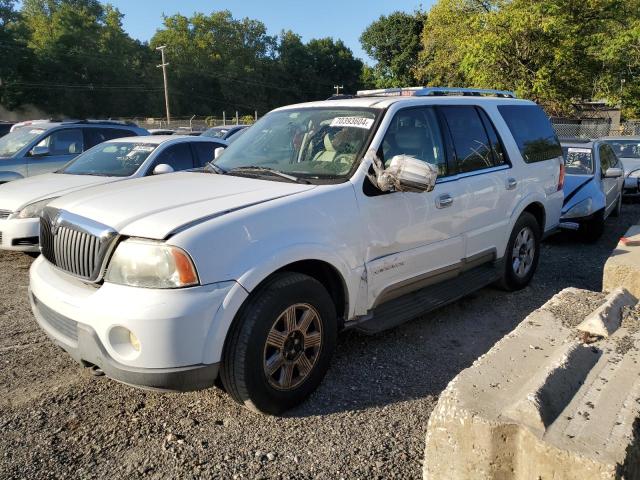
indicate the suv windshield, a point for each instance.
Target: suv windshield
{"x":578,"y":161}
{"x":13,"y":142}
{"x":625,"y":148}
{"x":305,"y":142}
{"x":110,"y":159}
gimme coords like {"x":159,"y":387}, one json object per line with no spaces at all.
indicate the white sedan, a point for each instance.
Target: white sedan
{"x":22,"y":201}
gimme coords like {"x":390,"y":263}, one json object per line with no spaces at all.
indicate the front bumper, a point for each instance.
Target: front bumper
{"x":171,"y":326}
{"x":22,"y":235}
{"x":574,"y":223}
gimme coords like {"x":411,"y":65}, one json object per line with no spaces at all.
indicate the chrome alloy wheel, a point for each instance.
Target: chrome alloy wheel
{"x":524,"y":250}
{"x":293,"y":346}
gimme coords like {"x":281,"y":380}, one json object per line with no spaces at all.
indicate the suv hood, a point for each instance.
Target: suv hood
{"x":18,"y":193}
{"x":152,"y":207}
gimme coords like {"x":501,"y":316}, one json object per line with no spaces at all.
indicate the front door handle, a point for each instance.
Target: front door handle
{"x":444,"y":201}
{"x":512,"y":183}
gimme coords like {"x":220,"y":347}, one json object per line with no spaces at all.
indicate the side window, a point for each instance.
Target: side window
{"x":415,"y":132}
{"x":532,"y":131}
{"x":111,"y":133}
{"x":204,"y":152}
{"x":607,"y":158}
{"x":470,"y":141}
{"x":93,"y":136}
{"x":499,"y":155}
{"x":177,"y":156}
{"x":64,"y":142}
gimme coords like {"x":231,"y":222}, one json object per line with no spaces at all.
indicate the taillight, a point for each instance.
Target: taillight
{"x":561,"y":176}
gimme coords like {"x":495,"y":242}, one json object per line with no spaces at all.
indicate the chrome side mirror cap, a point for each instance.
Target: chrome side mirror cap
{"x":404,"y":174}
{"x":39,"y":151}
{"x":613,"y":172}
{"x":162,"y":168}
{"x":217,"y":152}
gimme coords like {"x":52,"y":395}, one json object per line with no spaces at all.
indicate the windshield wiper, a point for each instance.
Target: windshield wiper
{"x":267,"y":170}
{"x":213,"y":168}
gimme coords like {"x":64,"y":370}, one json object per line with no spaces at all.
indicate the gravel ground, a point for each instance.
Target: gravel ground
{"x":367,"y":420}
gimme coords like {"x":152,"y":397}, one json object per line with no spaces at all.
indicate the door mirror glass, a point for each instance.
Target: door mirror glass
{"x":39,"y":151}
{"x":404,"y":174}
{"x":162,"y":169}
{"x":217,"y":152}
{"x":613,"y":172}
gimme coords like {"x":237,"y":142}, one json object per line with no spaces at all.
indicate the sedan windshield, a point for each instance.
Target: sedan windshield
{"x":13,"y":142}
{"x":306,"y":142}
{"x":578,"y":161}
{"x":110,"y":159}
{"x":216,"y":132}
{"x":625,"y":148}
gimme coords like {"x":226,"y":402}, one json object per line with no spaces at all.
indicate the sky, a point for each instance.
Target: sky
{"x":343,"y":19}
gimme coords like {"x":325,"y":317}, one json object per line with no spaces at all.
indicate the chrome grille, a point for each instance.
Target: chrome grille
{"x":64,"y":326}
{"x":4,"y":214}
{"x":75,"y":244}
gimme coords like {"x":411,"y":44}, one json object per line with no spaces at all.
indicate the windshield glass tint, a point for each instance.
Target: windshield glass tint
{"x":625,"y":148}
{"x":313,"y":142}
{"x":13,"y":142}
{"x":578,"y":161}
{"x":118,"y":159}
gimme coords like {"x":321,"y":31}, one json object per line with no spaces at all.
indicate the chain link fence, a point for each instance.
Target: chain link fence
{"x":596,"y":130}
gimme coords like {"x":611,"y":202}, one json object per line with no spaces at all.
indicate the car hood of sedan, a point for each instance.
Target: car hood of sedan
{"x":630,"y":164}
{"x":572,"y":184}
{"x":18,"y":193}
{"x":153,"y":207}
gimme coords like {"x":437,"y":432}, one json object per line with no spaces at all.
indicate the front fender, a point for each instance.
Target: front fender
{"x":9,"y":176}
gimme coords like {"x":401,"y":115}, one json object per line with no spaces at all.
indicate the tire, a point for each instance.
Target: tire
{"x":618,"y":210}
{"x":515,"y":275}
{"x":261,"y":324}
{"x":592,"y":230}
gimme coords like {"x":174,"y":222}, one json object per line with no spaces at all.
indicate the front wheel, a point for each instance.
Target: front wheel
{"x":593,"y":229}
{"x":523,"y":253}
{"x":279,"y":348}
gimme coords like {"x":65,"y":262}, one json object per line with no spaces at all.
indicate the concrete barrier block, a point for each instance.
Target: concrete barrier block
{"x":543,"y":405}
{"x":606,"y":319}
{"x":623,"y":266}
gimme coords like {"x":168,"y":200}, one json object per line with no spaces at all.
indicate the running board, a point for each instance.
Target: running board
{"x":412,"y":305}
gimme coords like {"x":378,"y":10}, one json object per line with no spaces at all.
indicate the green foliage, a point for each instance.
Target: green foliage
{"x":73,"y":58}
{"x":554,"y":51}
{"x":394,"y":42}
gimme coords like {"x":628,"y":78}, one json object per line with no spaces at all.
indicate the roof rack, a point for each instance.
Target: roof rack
{"x":101,"y":122}
{"x":434,"y":91}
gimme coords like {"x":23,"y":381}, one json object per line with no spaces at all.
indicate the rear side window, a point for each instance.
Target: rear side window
{"x":532,"y":131}
{"x":470,"y":141}
{"x":204,"y":152}
{"x":95,"y":136}
{"x":111,"y":133}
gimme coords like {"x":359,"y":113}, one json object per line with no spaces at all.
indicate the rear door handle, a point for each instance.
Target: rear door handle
{"x":444,"y":201}
{"x":512,"y":183}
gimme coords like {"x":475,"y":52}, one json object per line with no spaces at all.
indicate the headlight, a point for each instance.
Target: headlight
{"x":581,"y":209}
{"x":144,"y":263}
{"x":33,"y":210}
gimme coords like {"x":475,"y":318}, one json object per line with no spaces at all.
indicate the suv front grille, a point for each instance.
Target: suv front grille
{"x":75,"y":244}
{"x":4,"y":214}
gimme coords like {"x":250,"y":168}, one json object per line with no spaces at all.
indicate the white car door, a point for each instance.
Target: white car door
{"x":412,"y":239}
{"x":489,"y":186}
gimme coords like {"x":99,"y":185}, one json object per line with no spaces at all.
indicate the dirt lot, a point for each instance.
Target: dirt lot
{"x":367,"y":420}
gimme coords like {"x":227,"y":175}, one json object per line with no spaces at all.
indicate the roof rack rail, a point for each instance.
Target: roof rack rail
{"x":100,"y":122}
{"x":434,"y":91}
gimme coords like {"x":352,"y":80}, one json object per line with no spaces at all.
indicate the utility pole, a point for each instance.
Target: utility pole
{"x":338,"y":88}
{"x":164,"y":66}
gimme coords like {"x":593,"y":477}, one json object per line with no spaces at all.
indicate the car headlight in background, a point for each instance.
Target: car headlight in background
{"x":581,"y":209}
{"x":144,"y":263}
{"x":33,"y":210}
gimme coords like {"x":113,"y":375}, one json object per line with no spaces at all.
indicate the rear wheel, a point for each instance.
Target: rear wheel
{"x":522,"y":254}
{"x":279,"y":348}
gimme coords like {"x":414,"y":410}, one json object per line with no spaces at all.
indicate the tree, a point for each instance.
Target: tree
{"x":394,"y":42}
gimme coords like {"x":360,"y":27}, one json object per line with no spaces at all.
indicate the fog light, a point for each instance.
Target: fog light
{"x":133,"y":340}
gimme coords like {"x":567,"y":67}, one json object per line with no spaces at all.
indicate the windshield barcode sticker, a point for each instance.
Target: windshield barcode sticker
{"x":578,"y":150}
{"x":355,"y":122}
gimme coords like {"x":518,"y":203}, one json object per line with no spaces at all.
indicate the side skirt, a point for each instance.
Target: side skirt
{"x":414,"y":304}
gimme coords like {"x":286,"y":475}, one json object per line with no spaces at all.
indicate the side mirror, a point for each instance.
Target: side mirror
{"x":613,"y":172}
{"x":162,"y":169}
{"x":217,"y":152}
{"x":408,"y":174}
{"x":39,"y":151}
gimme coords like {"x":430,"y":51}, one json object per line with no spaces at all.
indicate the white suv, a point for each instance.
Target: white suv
{"x":361,"y":212}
